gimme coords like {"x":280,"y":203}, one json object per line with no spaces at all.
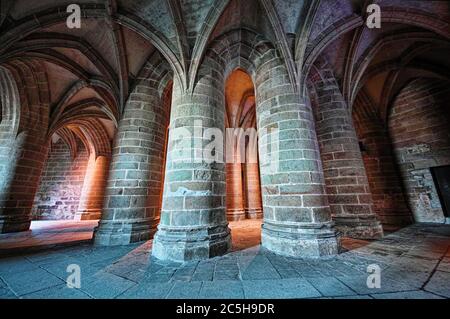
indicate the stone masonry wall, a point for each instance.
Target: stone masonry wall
{"x":419,"y":127}
{"x":61,"y":183}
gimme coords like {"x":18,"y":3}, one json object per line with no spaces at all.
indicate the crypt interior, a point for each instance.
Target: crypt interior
{"x":93,"y":170}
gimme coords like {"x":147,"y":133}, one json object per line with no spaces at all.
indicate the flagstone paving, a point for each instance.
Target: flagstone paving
{"x":414,"y":264}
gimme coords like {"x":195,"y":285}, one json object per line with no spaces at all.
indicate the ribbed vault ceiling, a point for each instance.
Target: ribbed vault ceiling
{"x":118,"y":36}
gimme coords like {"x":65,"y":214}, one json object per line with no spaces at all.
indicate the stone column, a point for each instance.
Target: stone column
{"x":384,"y":180}
{"x":193,"y":218}
{"x":234,"y":199}
{"x":345,"y":176}
{"x":253,"y":200}
{"x":92,"y":194}
{"x":297,"y":219}
{"x":22,"y":152}
{"x":27,"y":156}
{"x":132,"y":196}
{"x":253,"y":203}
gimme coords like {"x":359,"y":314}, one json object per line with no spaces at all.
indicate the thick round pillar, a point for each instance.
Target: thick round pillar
{"x":235,"y":198}
{"x":253,"y":201}
{"x":133,"y":191}
{"x":345,"y":175}
{"x":193,"y":218}
{"x":22,"y":152}
{"x":297,"y":219}
{"x":92,"y":194}
{"x":26,"y":159}
{"x":384,"y":180}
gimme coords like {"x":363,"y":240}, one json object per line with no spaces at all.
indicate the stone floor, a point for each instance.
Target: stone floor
{"x":414,"y":263}
{"x":47,"y":234}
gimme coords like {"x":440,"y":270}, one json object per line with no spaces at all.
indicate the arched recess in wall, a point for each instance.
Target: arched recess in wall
{"x":243,"y":198}
{"x":235,"y":55}
{"x":378,"y":83}
{"x":370,"y":67}
{"x":355,"y":27}
{"x":418,"y":126}
{"x":382,"y":170}
{"x":73,"y":182}
{"x":292,"y":191}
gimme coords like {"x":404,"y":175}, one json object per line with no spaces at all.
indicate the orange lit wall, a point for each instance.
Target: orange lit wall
{"x":243,"y":184}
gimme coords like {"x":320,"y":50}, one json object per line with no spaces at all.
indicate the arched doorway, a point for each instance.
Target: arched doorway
{"x":418,"y":126}
{"x":243,"y":186}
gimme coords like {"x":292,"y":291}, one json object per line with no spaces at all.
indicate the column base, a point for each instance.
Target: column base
{"x":235,"y":215}
{"x":8,"y":225}
{"x":359,"y":226}
{"x":254,"y":213}
{"x":115,"y":233}
{"x":182,"y":244}
{"x":300,"y":240}
{"x":89,"y":214}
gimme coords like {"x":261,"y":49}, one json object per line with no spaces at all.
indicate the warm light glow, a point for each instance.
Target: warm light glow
{"x":240,"y":97}
{"x":91,"y":200}
{"x":243,"y":184}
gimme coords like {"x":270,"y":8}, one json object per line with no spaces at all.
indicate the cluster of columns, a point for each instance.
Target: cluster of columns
{"x":24,"y":147}
{"x":308,"y":181}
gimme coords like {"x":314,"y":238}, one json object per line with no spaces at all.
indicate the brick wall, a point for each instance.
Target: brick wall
{"x":421,"y":137}
{"x":61,"y":183}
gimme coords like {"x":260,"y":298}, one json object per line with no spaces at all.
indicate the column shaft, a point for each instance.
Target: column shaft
{"x":23,"y":146}
{"x":27,"y":155}
{"x":297,"y":220}
{"x":253,"y":202}
{"x":193,"y":219}
{"x":235,"y":200}
{"x":384,"y":180}
{"x":132,"y":197}
{"x":345,"y":176}
{"x":92,"y":194}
